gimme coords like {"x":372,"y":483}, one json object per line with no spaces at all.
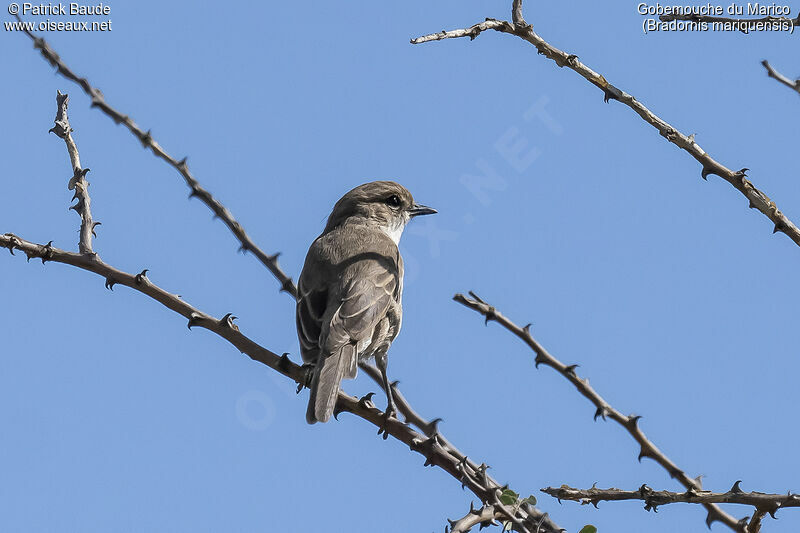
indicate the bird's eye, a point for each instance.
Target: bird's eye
{"x":393,"y":201}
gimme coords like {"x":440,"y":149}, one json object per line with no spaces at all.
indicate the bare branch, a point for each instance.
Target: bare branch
{"x":77,"y":182}
{"x":772,"y":73}
{"x":471,"y":32}
{"x":475,"y":479}
{"x":761,"y":502}
{"x":219,"y":210}
{"x":738,"y":179}
{"x":603,"y":408}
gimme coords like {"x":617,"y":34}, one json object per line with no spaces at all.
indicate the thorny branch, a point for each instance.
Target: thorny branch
{"x":524,"y":518}
{"x":429,"y":428}
{"x":77,"y":182}
{"x":761,"y":502}
{"x":220,"y":211}
{"x":738,"y":179}
{"x":772,"y":73}
{"x":604,"y":409}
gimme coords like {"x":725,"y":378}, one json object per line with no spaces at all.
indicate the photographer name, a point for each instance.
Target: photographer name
{"x":73,"y":8}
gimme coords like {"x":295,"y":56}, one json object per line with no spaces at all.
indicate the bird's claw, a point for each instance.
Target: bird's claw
{"x":389,"y":414}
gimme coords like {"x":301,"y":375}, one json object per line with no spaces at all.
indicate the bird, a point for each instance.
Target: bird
{"x":349,"y":306}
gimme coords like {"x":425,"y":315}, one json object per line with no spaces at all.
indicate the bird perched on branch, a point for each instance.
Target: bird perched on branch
{"x":349,"y":304}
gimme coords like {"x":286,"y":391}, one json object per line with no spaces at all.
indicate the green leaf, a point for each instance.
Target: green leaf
{"x":588,"y":529}
{"x":530,"y":500}
{"x":509,"y":497}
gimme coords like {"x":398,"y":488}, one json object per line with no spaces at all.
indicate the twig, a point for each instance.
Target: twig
{"x":761,"y":502}
{"x":603,"y":408}
{"x":738,"y":179}
{"x":476,"y":480}
{"x":77,"y":182}
{"x":772,"y":73}
{"x":220,"y":211}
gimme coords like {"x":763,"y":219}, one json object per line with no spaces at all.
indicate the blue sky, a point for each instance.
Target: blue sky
{"x":676,"y":300}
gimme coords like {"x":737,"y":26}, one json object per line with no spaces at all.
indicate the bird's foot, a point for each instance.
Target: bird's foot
{"x":308,"y":371}
{"x":389,"y":414}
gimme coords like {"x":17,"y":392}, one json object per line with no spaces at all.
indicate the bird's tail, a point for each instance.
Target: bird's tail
{"x":328,"y":376}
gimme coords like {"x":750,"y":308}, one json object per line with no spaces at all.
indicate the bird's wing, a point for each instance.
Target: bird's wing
{"x":350,"y":280}
{"x":312,"y":302}
{"x":364,"y":303}
{"x":370,"y":289}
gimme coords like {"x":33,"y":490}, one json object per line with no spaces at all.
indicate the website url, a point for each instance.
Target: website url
{"x":51,"y":25}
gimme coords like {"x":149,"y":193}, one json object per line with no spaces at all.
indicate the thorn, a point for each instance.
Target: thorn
{"x":601,"y":412}
{"x":227,"y":321}
{"x":194,"y":319}
{"x":643,"y":453}
{"x":539,"y":360}
{"x":141,"y":276}
{"x":284,"y":363}
{"x":711,"y":518}
{"x":337,"y":409}
{"x":742,"y":524}
{"x":633,"y":420}
{"x":527,"y":329}
{"x":182,"y":164}
{"x":146,"y":139}
{"x":274,"y":257}
{"x":736,"y":489}
{"x":434,"y":425}
{"x":706,"y":172}
{"x":243,"y":249}
{"x":491,"y":314}
{"x":47,"y":253}
{"x":287,"y":286}
{"x":610,"y":93}
{"x":110,"y":282}
{"x":366,"y":400}
{"x":194,"y":192}
{"x":94,"y":225}
{"x":778,"y":227}
{"x":571,"y":369}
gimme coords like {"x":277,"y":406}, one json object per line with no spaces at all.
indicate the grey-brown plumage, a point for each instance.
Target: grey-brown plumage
{"x":349,"y":305}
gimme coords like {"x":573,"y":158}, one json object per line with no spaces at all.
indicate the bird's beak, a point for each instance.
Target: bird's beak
{"x":417,"y":210}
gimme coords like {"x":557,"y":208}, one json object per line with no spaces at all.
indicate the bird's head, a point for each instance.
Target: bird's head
{"x":385,"y":204}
